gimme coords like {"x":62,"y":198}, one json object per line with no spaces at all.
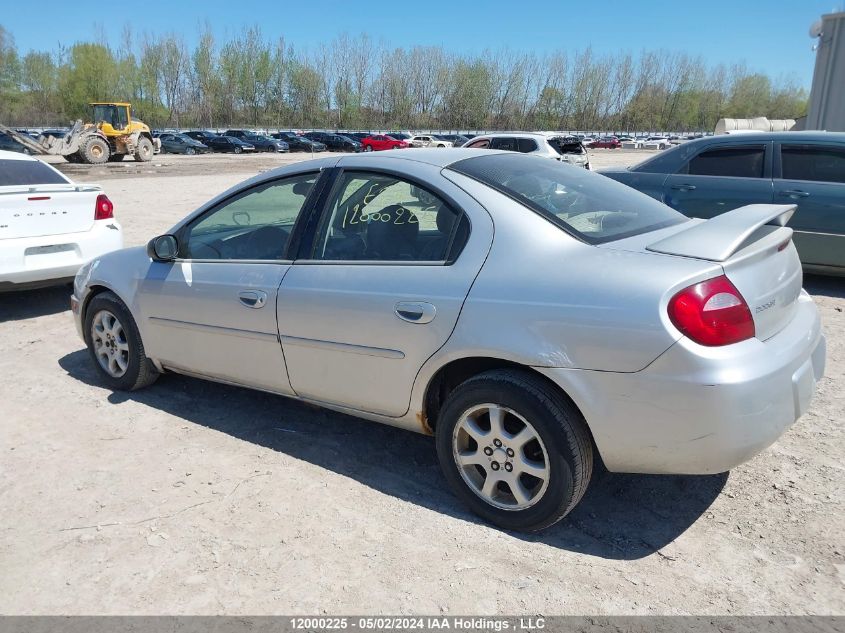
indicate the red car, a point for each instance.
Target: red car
{"x":378,"y":142}
{"x":609,"y":142}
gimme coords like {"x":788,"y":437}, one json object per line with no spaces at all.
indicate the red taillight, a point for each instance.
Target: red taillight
{"x":104,"y":209}
{"x":712,"y":313}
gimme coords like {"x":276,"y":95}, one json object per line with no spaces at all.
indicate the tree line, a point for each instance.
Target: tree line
{"x":356,"y":82}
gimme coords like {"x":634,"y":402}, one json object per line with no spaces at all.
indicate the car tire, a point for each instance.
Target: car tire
{"x":558,"y":448}
{"x":95,"y":151}
{"x":368,"y":148}
{"x":190,"y":151}
{"x":144,"y":150}
{"x":115,"y":346}
{"x":237,"y":149}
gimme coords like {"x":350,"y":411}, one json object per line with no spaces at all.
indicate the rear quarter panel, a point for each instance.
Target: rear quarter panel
{"x":545,"y":299}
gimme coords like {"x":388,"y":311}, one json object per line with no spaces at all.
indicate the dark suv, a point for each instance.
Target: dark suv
{"x":336,"y":142}
{"x":299,"y":143}
{"x":201,"y":135}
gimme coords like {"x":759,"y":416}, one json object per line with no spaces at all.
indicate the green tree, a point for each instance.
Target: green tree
{"x":90,"y":75}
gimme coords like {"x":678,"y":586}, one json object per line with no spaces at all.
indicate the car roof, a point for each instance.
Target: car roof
{"x":534,"y":135}
{"x":805,"y":135}
{"x":7,"y":155}
{"x":430,"y":156}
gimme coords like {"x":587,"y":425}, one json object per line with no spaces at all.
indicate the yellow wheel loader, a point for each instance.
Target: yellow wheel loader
{"x":112,"y":135}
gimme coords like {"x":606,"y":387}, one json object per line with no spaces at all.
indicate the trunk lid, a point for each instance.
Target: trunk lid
{"x":753,"y":247}
{"x":34,"y":211}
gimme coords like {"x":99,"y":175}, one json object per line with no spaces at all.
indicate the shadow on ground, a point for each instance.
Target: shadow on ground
{"x":826,"y":286}
{"x":621,"y":517}
{"x":28,"y":304}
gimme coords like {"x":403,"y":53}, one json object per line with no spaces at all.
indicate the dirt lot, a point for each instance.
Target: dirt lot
{"x":196,"y":498}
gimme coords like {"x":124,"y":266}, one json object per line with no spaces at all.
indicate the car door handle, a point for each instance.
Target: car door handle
{"x":684,"y":187}
{"x":794,"y":193}
{"x":415,"y":311}
{"x":253,"y":298}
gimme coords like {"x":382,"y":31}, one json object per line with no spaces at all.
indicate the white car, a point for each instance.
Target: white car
{"x":656,"y":142}
{"x":568,"y":149}
{"x":429,"y":140}
{"x":49,"y":226}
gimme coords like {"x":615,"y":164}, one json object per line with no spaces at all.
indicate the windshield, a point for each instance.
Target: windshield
{"x":587,"y":205}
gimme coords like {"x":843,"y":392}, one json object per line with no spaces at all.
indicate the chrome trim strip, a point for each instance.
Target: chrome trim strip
{"x":180,"y":260}
{"x":216,"y":329}
{"x":343,"y":347}
{"x":367,"y":262}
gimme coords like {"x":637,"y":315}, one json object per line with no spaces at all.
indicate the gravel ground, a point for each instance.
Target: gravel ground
{"x":196,"y":498}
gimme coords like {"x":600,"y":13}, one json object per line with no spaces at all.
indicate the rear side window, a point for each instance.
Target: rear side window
{"x":740,"y":162}
{"x":508,"y":144}
{"x":28,"y":172}
{"x":480,"y":144}
{"x":587,"y":205}
{"x":526,"y":145}
{"x":813,"y":162}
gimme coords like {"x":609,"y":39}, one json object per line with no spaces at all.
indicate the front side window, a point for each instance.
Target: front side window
{"x":122,"y":117}
{"x":255,"y":224}
{"x":739,"y":162}
{"x":591,"y":207}
{"x":813,"y":162}
{"x":379,"y":217}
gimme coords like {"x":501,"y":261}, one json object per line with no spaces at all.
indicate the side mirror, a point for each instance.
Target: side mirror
{"x":163,"y":248}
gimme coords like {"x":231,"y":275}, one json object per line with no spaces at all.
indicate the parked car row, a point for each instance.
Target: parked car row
{"x":315,"y":141}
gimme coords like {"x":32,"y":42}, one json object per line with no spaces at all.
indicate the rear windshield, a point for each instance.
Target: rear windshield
{"x":28,"y":172}
{"x":566,"y":145}
{"x":594,"y":208}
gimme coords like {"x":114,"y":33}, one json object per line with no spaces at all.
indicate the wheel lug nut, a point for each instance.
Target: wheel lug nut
{"x":510,"y":452}
{"x":497,"y":442}
{"x":508,"y":466}
{"x":488,"y":451}
{"x":495,"y":465}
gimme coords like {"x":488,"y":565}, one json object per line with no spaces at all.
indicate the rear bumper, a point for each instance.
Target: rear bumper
{"x":698,"y":410}
{"x":28,"y":261}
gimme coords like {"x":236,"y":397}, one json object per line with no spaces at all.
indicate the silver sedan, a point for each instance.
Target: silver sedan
{"x":530,"y":315}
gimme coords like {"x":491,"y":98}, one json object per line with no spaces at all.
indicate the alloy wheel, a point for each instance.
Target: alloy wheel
{"x":501,"y":457}
{"x":111,"y":346}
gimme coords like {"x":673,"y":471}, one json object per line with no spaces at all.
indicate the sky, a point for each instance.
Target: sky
{"x":769,"y":36}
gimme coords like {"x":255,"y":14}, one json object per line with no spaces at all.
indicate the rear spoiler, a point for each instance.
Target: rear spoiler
{"x":722,"y":236}
{"x":54,"y":188}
